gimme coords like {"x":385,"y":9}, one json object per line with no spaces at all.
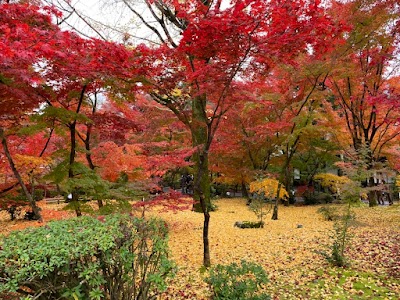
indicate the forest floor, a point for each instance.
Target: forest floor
{"x":288,"y":254}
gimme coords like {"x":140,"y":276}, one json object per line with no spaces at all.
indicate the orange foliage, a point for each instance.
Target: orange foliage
{"x":114,"y":160}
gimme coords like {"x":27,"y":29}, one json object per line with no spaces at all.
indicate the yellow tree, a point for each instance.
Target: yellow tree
{"x":269,"y":188}
{"x":266,"y":188}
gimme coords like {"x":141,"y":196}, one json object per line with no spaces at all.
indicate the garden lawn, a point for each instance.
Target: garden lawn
{"x":288,"y":254}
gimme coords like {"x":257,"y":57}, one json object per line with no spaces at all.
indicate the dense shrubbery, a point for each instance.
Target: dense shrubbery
{"x":113,"y":257}
{"x":238,"y":282}
{"x":311,"y":198}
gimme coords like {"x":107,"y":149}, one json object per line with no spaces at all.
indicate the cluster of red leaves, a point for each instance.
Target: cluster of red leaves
{"x":377,"y":251}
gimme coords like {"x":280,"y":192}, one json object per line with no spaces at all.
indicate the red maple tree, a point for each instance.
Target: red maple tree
{"x":27,"y":39}
{"x":220,"y":50}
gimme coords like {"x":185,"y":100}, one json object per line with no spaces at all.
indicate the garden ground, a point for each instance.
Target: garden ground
{"x":288,"y":252}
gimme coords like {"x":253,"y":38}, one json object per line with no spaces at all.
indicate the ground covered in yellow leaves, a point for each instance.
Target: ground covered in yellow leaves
{"x":288,"y":249}
{"x":290,"y":254}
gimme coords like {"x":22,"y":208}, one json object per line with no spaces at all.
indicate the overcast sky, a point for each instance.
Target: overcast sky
{"x":108,"y":15}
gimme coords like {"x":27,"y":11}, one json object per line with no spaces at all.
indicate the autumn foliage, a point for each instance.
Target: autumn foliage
{"x":227,"y":93}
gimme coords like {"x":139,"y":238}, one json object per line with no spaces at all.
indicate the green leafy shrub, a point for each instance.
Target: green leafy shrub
{"x":238,"y":282}
{"x":114,"y":206}
{"x":126,"y":192}
{"x":347,"y":191}
{"x":258,"y":205}
{"x":213,"y":205}
{"x":113,"y":257}
{"x":341,"y":239}
{"x":248,"y":224}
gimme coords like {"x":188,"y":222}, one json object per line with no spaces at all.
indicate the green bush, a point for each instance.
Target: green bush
{"x":248,"y":224}
{"x":258,"y":205}
{"x":329,"y":213}
{"x":113,"y":257}
{"x":341,"y":239}
{"x":213,"y":205}
{"x":311,"y":198}
{"x":114,"y":206}
{"x":238,"y":282}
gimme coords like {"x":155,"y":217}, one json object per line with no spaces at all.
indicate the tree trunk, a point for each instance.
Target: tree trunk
{"x":202,"y":175}
{"x":372,"y":194}
{"x":199,"y":131}
{"x":245,"y":194}
{"x":72,"y":153}
{"x":373,"y":198}
{"x":201,"y":193}
{"x":76,"y":204}
{"x":206,"y":244}
{"x":88,"y":148}
{"x":201,"y":188}
{"x":288,"y":184}
{"x":32,"y":202}
{"x":275,"y":211}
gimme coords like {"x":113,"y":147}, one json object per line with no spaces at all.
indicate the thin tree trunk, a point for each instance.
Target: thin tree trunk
{"x":205,"y":207}
{"x":206,"y":244}
{"x":275,"y":211}
{"x":201,"y":191}
{"x":199,"y":132}
{"x":100,"y":203}
{"x":32,"y":202}
{"x":245,"y":193}
{"x":204,"y":184}
{"x":88,"y":148}
{"x":288,"y":184}
{"x":201,"y":188}
{"x":72,"y":153}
